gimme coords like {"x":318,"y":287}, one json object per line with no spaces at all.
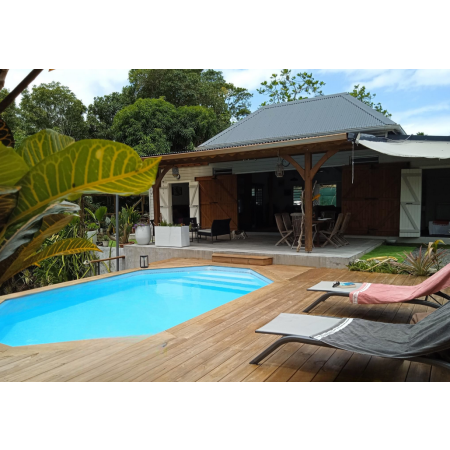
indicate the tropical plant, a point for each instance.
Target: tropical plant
{"x":127,"y":218}
{"x":164,"y":223}
{"x":423,"y":264}
{"x":44,"y":172}
{"x":374,"y":266}
{"x":64,"y":267}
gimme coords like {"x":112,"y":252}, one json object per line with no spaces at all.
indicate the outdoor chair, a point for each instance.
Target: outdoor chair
{"x":299,"y":231}
{"x":368,"y":293}
{"x":331,"y":236}
{"x":340,"y":236}
{"x":218,"y":228}
{"x":286,"y":235}
{"x":426,"y":342}
{"x":287,"y":221}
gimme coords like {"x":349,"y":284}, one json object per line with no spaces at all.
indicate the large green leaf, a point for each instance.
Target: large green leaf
{"x":12,"y":166}
{"x":86,"y":167}
{"x":64,"y":247}
{"x":50,"y":226}
{"x":22,"y":234}
{"x":8,"y":201}
{"x":45,"y":143}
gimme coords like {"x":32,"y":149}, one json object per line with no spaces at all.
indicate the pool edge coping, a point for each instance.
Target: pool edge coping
{"x":18,"y":295}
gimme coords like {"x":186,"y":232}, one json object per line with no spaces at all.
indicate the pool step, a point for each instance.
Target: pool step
{"x":211,"y":284}
{"x":248,"y":260}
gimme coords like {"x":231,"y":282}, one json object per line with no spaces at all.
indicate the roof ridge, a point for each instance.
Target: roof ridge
{"x":369,"y":110}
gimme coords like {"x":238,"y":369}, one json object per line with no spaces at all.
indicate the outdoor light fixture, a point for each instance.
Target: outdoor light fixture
{"x":144,"y":262}
{"x":279,"y":169}
{"x":176,"y":173}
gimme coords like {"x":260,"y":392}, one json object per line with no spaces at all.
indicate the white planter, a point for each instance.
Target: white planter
{"x":143,"y":235}
{"x":92,"y":235}
{"x":172,"y":237}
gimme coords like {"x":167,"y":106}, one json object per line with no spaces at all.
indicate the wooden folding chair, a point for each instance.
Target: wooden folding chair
{"x":287,"y":221}
{"x":341,"y":233}
{"x":331,"y":236}
{"x":286,"y":235}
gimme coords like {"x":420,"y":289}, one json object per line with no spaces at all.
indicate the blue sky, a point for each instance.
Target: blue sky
{"x":419,"y":99}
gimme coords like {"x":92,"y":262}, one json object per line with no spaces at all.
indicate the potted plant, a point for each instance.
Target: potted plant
{"x":170,"y":235}
{"x":143,"y":233}
{"x":127,"y":218}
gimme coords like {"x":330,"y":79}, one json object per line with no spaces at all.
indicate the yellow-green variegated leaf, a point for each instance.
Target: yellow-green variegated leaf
{"x":64,"y":247}
{"x":22,"y":233}
{"x":86,"y":167}
{"x":12,"y":166}
{"x":50,"y":226}
{"x":8,"y":201}
{"x":45,"y":143}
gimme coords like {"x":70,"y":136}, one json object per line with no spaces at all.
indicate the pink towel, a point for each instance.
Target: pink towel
{"x":382,"y":293}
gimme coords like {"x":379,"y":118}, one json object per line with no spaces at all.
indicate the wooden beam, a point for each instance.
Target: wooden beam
{"x":330,"y":153}
{"x":295,"y":164}
{"x":205,"y":158}
{"x":156,"y":203}
{"x":308,"y":204}
{"x":9,"y":99}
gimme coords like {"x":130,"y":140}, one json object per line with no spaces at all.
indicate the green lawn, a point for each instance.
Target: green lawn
{"x":390,"y":250}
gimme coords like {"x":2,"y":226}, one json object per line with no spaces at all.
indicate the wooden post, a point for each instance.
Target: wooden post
{"x":156,"y":203}
{"x":308,"y":173}
{"x":308,"y":204}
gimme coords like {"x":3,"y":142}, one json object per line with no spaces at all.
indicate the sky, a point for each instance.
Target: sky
{"x":418,"y":99}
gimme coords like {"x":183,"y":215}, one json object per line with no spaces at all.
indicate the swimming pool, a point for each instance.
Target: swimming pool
{"x":139,"y":303}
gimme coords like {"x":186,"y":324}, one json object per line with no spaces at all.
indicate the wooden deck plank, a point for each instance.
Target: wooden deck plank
{"x":218,"y":345}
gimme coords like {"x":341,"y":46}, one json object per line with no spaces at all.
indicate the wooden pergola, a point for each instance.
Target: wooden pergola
{"x":326,"y":145}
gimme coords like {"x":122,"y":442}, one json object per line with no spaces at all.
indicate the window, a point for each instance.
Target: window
{"x":328,"y":195}
{"x":297,"y":194}
{"x":257,"y":194}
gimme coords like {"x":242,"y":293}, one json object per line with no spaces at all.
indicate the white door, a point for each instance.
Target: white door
{"x":165,"y":201}
{"x":411,"y":203}
{"x":194,"y":200}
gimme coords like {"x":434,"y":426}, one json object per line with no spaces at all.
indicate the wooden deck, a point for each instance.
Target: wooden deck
{"x":218,"y":345}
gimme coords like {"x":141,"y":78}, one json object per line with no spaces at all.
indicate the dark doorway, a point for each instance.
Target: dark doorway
{"x":180,"y":203}
{"x":262,"y":195}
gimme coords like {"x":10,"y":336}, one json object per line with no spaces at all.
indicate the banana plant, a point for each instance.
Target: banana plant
{"x":41,"y":177}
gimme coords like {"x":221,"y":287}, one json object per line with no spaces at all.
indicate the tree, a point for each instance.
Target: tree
{"x":288,"y":88}
{"x":53,"y":106}
{"x":420,"y":133}
{"x":360,"y":93}
{"x":101,"y":114}
{"x":193,"y":87}
{"x":155,"y":126}
{"x":13,"y":119}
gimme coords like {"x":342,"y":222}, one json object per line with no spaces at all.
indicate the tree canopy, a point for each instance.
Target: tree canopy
{"x":285,"y":87}
{"x":362,"y":94}
{"x":155,"y":126}
{"x":53,"y":106}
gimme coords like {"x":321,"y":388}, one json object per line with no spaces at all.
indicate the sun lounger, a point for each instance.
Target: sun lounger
{"x":368,"y":293}
{"x":427,"y":342}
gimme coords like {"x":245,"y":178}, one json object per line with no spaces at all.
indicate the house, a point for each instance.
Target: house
{"x":260,"y":165}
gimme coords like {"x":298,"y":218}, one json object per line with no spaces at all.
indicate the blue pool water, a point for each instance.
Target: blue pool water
{"x":141,"y":303}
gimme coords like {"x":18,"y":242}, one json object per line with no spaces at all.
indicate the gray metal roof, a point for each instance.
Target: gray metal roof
{"x":318,"y":116}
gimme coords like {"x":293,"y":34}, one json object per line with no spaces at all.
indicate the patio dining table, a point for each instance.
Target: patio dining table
{"x":317,"y":225}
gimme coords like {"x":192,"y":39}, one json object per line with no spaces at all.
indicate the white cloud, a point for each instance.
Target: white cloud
{"x":434,"y":125}
{"x":84,"y":83}
{"x":428,"y":109}
{"x":248,"y":78}
{"x":395,"y":79}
